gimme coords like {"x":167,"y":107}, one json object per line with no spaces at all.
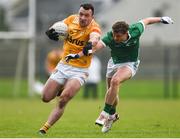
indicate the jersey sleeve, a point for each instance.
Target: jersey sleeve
{"x":142,"y":27}
{"x":138,"y":28}
{"x":68,"y":19}
{"x":106,"y":39}
{"x":95,"y":29}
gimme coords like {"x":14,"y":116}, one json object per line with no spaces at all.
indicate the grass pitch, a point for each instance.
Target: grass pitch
{"x":138,"y":118}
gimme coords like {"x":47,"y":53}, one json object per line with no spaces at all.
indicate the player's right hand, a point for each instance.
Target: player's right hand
{"x":87,"y":50}
{"x":71,"y":56}
{"x":52,"y":34}
{"x":166,"y":20}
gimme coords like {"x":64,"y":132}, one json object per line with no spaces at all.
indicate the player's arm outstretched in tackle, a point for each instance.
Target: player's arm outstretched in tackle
{"x":89,"y":49}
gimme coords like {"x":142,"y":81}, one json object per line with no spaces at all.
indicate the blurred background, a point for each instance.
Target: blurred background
{"x":24,"y":45}
{"x":149,"y":102}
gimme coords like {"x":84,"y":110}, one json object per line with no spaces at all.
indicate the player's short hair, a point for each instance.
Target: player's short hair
{"x":88,"y":6}
{"x":120,"y":27}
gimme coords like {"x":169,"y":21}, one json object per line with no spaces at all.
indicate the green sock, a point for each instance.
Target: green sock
{"x":112,"y":111}
{"x":107,"y":108}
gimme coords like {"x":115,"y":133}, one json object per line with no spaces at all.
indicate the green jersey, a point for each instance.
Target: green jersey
{"x":127,"y":51}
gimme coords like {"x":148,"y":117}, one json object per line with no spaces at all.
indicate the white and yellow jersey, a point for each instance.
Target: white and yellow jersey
{"x":76,"y":40}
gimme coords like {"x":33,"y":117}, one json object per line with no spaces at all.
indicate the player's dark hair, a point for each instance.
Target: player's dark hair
{"x":88,"y":6}
{"x":120,"y":27}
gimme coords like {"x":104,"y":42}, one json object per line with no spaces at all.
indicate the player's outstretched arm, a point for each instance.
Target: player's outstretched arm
{"x":94,"y":39}
{"x":99,"y":46}
{"x":152,"y":20}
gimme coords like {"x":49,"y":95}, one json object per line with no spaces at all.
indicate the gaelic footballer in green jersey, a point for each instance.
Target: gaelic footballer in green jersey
{"x":123,"y":42}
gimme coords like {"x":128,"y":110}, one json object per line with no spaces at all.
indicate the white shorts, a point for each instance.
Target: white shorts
{"x":112,"y":68}
{"x":64,"y":72}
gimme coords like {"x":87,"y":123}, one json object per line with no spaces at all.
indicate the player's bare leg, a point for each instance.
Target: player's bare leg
{"x":122,"y":74}
{"x":108,"y":86}
{"x":49,"y":93}
{"x":103,"y":115}
{"x":50,"y":90}
{"x":70,"y":89}
{"x":59,"y":92}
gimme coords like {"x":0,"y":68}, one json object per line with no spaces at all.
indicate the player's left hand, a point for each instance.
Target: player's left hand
{"x":166,"y":20}
{"x":71,"y":56}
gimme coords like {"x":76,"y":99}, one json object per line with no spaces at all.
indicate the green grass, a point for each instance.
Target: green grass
{"x":143,"y":111}
{"x":7,"y":88}
{"x":139,"y":118}
{"x":130,"y":89}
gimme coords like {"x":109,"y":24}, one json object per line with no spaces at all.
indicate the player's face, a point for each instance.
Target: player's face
{"x":119,"y":37}
{"x":85,"y":17}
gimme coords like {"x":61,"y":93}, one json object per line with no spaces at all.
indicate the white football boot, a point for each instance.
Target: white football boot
{"x":102,"y":118}
{"x":109,"y":121}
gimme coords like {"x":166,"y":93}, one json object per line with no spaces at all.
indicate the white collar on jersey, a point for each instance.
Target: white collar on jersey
{"x":129,"y":37}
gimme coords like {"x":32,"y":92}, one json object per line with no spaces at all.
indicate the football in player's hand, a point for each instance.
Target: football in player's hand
{"x":61,"y":28}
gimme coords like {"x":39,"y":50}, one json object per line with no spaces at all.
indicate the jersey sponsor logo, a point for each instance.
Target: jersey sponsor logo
{"x":75,"y":41}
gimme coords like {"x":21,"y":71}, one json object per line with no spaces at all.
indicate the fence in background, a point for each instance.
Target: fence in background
{"x":157,"y":62}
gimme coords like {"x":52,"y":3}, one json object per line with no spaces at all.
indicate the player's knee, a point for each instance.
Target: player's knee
{"x":115,"y":82}
{"x":45,"y":99}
